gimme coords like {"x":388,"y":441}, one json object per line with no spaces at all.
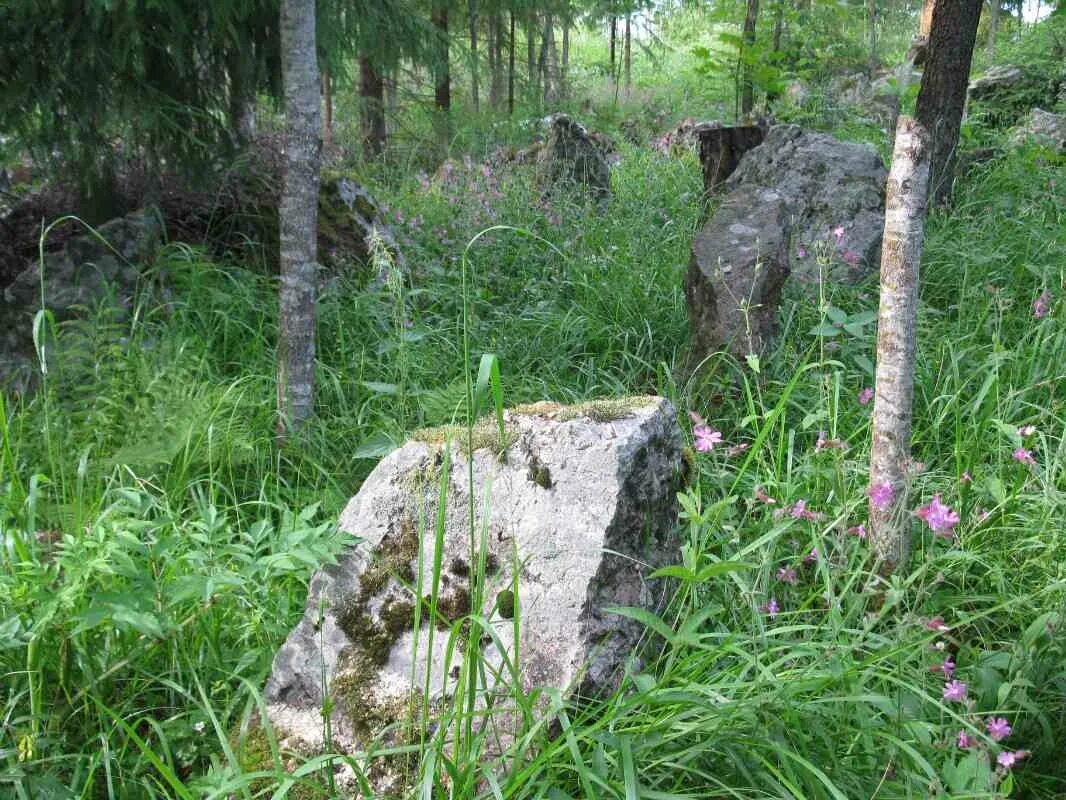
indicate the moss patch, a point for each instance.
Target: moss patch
{"x":484,"y":436}
{"x":606,"y":410}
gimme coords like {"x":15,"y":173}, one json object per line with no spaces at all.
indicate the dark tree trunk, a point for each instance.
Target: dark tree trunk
{"x":871,"y":34}
{"x":613,"y":36}
{"x":372,"y":91}
{"x":474,"y":89}
{"x":298,"y":214}
{"x":779,"y":24}
{"x":442,"y":74}
{"x":747,"y":91}
{"x":241,"y":98}
{"x":531,"y":48}
{"x":942,"y":95}
{"x":490,"y":51}
{"x":510,"y":64}
{"x":627,"y":56}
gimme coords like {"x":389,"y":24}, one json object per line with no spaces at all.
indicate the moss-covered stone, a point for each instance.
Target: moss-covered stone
{"x":606,"y":410}
{"x":485,"y":435}
{"x":505,"y":604}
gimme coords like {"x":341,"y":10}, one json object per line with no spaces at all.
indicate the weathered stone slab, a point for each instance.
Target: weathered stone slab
{"x":835,"y":192}
{"x":577,"y":511}
{"x":739,"y":265}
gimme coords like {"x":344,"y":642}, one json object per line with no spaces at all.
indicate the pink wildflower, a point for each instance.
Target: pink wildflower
{"x":800,"y":511}
{"x":851,"y":257}
{"x":865,"y":396}
{"x":982,"y":514}
{"x":771,"y":608}
{"x":818,"y":445}
{"x":801,"y":251}
{"x":1042,"y":304}
{"x":787,"y":575}
{"x":838,"y":234}
{"x":998,"y":728}
{"x":696,"y":418}
{"x":947,"y":668}
{"x":966,"y":477}
{"x":881,"y":495}
{"x":939,"y":517}
{"x":706,"y":437}
{"x":811,"y":557}
{"x":859,"y":530}
{"x":1023,"y":456}
{"x":1008,"y":759}
{"x":955,"y":691}
{"x":937,"y":624}
{"x":737,"y":449}
{"x":1027,"y":430}
{"x":964,"y":741}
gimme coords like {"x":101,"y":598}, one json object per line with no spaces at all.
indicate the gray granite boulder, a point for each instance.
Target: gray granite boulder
{"x":1045,"y":129}
{"x":570,"y":159}
{"x":997,"y":80}
{"x":574,"y":508}
{"x":835,"y":193}
{"x":739,"y":265}
{"x":90,"y":269}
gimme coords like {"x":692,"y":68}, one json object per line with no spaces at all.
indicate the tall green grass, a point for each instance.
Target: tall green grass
{"x":156,"y":545}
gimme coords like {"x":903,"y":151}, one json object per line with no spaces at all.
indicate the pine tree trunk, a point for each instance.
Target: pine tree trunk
{"x":474,"y":88}
{"x":298,"y":212}
{"x":901,"y":253}
{"x":871,"y":33}
{"x":241,"y":99}
{"x":993,"y":25}
{"x":327,"y":96}
{"x":747,"y":93}
{"x":614,"y":36}
{"x":392,"y":97}
{"x":490,"y":48}
{"x":510,"y":64}
{"x":779,"y":25}
{"x":372,"y":92}
{"x":942,"y":96}
{"x":549,"y":62}
{"x":497,"y":60}
{"x":531,"y":48}
{"x":442,"y":74}
{"x":627,"y":56}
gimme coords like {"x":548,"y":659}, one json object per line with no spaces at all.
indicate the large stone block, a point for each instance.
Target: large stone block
{"x":575,"y":507}
{"x":739,"y":265}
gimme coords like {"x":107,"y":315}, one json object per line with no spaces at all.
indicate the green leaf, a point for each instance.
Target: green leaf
{"x":376,"y":446}
{"x":825,"y":329}
{"x":377,"y":387}
{"x":646,"y":618}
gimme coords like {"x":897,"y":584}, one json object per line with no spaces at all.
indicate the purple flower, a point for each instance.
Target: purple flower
{"x":1023,"y":456}
{"x":865,"y":396}
{"x":881,"y":495}
{"x":939,"y":517}
{"x":771,"y":608}
{"x":947,"y":668}
{"x":799,"y":509}
{"x":763,"y":497}
{"x":851,"y":257}
{"x":1042,"y":304}
{"x":811,"y":557}
{"x":1008,"y":759}
{"x":966,"y":477}
{"x":801,"y":251}
{"x":706,"y":437}
{"x":998,"y":728}
{"x":859,"y":530}
{"x":787,"y":575}
{"x":838,"y":234}
{"x":964,"y":741}
{"x":1027,"y":430}
{"x":955,"y":691}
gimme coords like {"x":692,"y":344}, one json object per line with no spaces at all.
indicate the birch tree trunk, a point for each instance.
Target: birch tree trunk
{"x":747,"y":94}
{"x":901,"y":253}
{"x":298,"y":212}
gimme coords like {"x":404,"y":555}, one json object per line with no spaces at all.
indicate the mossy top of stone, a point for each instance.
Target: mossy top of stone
{"x":606,"y":410}
{"x":484,"y":436}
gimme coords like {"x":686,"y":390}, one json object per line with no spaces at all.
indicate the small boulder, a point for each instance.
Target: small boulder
{"x":349,"y":218}
{"x":835,"y":192}
{"x":580,"y":500}
{"x":86,"y":272}
{"x":1045,"y":129}
{"x":738,"y":267}
{"x":722,"y":147}
{"x":571,"y":159}
{"x":997,"y":80}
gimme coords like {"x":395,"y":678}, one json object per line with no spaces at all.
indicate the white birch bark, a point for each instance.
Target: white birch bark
{"x":298,"y":212}
{"x":901,"y":252}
